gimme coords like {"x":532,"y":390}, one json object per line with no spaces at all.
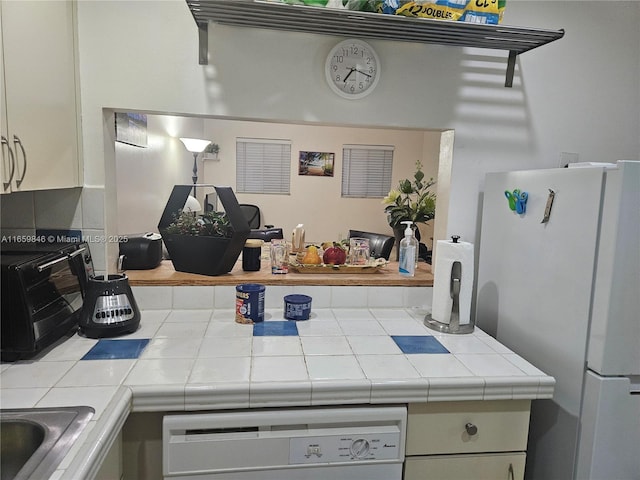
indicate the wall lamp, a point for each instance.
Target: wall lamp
{"x":195,"y":146}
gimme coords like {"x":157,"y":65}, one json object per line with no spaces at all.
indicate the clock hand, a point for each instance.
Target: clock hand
{"x":360,"y":71}
{"x":350,"y":72}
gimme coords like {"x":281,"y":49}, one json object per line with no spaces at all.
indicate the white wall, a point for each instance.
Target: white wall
{"x":145,"y":176}
{"x":580,"y":94}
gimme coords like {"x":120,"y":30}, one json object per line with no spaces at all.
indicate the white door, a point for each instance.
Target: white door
{"x":534,"y":291}
{"x":7,"y":169}
{"x":614,"y":343}
{"x":610,"y":429}
{"x":535,"y":279}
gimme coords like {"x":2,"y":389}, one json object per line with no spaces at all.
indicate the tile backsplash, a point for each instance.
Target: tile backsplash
{"x":23,"y":213}
{"x":18,"y":214}
{"x":223,"y":297}
{"x":58,"y":209}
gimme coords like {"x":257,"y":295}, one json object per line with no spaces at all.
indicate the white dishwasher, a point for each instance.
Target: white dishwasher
{"x":341,"y":443}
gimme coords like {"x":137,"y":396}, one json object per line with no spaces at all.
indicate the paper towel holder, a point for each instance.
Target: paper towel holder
{"x":454,"y":323}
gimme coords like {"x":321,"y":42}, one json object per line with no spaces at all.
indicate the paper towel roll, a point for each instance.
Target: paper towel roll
{"x":448,"y":252}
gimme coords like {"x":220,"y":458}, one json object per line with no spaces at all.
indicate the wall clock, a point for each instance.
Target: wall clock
{"x":352,"y":69}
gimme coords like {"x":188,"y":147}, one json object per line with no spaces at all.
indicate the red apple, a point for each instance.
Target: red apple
{"x":334,"y":256}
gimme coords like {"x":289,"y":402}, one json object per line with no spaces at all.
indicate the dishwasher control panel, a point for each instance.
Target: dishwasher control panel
{"x":345,"y":448}
{"x":358,"y":443}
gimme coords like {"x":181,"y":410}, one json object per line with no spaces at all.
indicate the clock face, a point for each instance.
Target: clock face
{"x":352,"y":69}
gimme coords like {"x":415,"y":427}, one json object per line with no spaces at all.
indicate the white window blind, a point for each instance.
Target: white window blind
{"x":263,"y":165}
{"x":366,"y":170}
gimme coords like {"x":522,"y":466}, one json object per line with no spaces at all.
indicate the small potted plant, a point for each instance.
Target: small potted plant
{"x":211,"y":151}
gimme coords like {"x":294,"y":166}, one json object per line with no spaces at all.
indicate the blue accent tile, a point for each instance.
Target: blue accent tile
{"x":275,"y":329}
{"x":116,"y":349}
{"x":419,"y":344}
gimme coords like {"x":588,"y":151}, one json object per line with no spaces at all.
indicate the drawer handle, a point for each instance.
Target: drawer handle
{"x":471,"y":429}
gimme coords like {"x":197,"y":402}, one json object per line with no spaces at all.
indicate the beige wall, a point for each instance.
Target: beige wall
{"x":145,"y":176}
{"x":316,"y":201}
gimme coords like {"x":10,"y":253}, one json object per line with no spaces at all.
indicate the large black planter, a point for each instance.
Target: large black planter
{"x":200,"y":254}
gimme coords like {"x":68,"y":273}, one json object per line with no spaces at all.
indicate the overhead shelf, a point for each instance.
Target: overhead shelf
{"x":348,"y":23}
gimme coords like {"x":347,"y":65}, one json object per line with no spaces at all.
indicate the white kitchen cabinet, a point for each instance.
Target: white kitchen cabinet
{"x":467,"y":440}
{"x":497,"y":466}
{"x":39,"y":111}
{"x":7,"y":168}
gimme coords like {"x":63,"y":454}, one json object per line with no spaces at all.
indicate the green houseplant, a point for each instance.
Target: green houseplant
{"x":411,"y":200}
{"x":212,"y":149}
{"x":212,"y":224}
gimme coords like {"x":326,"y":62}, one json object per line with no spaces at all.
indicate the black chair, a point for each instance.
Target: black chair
{"x":380,"y":246}
{"x":266,"y":234}
{"x":252,"y":214}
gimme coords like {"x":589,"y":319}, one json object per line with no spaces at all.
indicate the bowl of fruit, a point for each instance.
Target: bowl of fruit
{"x":331,"y":257}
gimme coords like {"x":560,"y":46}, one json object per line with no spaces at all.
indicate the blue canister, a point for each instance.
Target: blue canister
{"x":297,"y":307}
{"x":250,"y":303}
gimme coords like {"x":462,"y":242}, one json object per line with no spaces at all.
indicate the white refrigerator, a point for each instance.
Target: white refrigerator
{"x":563,"y":291}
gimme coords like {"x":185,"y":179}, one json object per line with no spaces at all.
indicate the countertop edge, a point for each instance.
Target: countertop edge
{"x":90,"y":456}
{"x":166,"y":275}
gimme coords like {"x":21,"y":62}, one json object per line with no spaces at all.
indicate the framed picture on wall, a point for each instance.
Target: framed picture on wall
{"x":318,"y":164}
{"x":131,"y":128}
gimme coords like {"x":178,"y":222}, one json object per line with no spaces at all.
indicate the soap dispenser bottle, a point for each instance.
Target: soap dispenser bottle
{"x":408,"y":252}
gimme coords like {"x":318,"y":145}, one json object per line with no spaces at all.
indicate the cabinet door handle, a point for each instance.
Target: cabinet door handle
{"x":18,"y":142}
{"x":471,"y":429}
{"x":7,"y":184}
{"x":512,"y":475}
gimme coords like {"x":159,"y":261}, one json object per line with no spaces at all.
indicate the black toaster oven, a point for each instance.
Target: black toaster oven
{"x":43,"y":287}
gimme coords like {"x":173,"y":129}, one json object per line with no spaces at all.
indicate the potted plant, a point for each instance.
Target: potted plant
{"x":412,"y":200}
{"x":211,"y":151}
{"x":208,"y":244}
{"x":211,"y":224}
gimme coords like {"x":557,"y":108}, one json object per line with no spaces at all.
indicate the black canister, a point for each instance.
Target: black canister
{"x":251,"y":254}
{"x":297,"y":307}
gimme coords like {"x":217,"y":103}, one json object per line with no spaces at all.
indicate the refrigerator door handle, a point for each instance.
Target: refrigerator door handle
{"x":634,"y":385}
{"x":547,"y":208}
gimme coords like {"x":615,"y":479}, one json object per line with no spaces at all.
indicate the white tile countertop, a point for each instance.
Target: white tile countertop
{"x":201,"y":359}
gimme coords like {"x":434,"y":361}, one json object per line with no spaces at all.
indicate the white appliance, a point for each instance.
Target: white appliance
{"x":564,"y":293}
{"x":358,"y":443}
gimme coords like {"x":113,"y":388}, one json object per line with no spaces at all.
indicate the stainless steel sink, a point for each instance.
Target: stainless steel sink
{"x":33,"y":441}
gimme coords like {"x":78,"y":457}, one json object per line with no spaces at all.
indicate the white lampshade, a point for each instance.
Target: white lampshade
{"x":192,"y":205}
{"x":195,"y":145}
